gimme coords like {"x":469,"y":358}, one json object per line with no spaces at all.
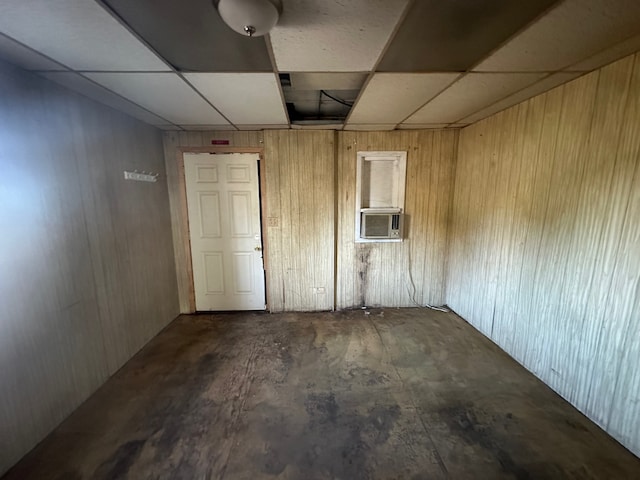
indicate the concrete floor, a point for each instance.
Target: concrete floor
{"x":394,"y":394}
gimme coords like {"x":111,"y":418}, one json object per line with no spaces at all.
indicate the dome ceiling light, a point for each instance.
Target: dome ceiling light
{"x":252,"y":18}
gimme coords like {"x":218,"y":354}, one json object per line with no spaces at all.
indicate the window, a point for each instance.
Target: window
{"x":380,"y":184}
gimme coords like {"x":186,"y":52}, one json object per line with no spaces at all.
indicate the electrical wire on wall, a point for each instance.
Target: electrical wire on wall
{"x":412,"y":293}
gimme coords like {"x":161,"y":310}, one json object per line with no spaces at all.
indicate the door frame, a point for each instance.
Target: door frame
{"x":186,"y":238}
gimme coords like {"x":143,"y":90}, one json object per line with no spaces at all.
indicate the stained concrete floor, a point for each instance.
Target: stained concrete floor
{"x":393,"y":394}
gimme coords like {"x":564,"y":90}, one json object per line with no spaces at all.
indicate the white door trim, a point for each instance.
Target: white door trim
{"x":184,"y":230}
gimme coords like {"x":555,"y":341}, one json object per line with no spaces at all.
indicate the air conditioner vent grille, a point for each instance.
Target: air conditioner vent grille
{"x":381,"y":225}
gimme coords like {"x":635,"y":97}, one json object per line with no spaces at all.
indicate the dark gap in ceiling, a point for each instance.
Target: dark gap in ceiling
{"x":455,"y":35}
{"x":320,"y":97}
{"x":192,"y":37}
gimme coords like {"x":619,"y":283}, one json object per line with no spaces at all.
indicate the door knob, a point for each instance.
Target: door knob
{"x":258,"y":249}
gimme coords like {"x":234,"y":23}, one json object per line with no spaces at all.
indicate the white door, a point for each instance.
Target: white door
{"x":223,"y":202}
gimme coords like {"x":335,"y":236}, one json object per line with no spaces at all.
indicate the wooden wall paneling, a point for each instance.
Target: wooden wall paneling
{"x":275,"y":283}
{"x":300,"y":184}
{"x":623,"y":417}
{"x":472,"y":183}
{"x":551,"y":262}
{"x":560,"y":237}
{"x":418,"y":261}
{"x":510,"y":161}
{"x":323,"y":174}
{"x":298,"y":251}
{"x":346,"y":176}
{"x":612,"y":322}
{"x":442,"y":211}
{"x":378,"y":273}
{"x":524,"y":348}
{"x":522,"y":178}
{"x":486,"y":245}
{"x":458,"y":237}
{"x":586,"y":282}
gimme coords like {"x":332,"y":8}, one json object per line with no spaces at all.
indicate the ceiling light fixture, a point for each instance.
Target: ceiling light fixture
{"x":253,"y":18}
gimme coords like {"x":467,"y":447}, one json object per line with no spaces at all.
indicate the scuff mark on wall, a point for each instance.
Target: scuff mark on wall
{"x":363,"y":254}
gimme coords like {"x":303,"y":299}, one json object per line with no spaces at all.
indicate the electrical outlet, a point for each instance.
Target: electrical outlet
{"x":318,"y":290}
{"x":272,"y":221}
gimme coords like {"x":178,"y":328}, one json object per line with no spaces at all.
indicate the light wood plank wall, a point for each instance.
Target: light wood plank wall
{"x":300,"y":199}
{"x":87,"y":272}
{"x":545,"y":240}
{"x":298,"y":203}
{"x":398,"y":274}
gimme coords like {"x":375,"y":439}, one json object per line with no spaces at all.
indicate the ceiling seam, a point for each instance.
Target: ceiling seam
{"x":504,"y":98}
{"x":76,"y":72}
{"x":599,"y":52}
{"x":458,"y":78}
{"x":276,"y":72}
{"x":124,"y":24}
{"x":126,"y":99}
{"x":372,"y":72}
{"x":37,"y":53}
{"x":524,"y":28}
{"x":127,"y":27}
{"x":491,"y":52}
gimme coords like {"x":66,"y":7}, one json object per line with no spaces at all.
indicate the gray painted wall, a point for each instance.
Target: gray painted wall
{"x":87,"y":274}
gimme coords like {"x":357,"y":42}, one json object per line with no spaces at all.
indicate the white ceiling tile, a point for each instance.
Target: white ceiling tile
{"x":169,"y":128}
{"x":470,"y":94}
{"x":165,"y":94}
{"x":24,"y":57}
{"x":608,"y":56}
{"x":571,"y":32}
{"x":370,"y":127}
{"x":536,"y":89}
{"x":244,"y":98}
{"x":333,"y":35}
{"x":420,"y":126}
{"x":78,"y":33}
{"x":86,"y":87}
{"x":391,"y":97}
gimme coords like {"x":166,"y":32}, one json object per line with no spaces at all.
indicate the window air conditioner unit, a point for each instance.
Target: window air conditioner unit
{"x":381,"y":224}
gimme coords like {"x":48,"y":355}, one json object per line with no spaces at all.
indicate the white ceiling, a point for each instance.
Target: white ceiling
{"x":336,"y":36}
{"x":322,"y":45}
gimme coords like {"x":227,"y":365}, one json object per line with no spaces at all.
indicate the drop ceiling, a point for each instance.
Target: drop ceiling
{"x":356,"y":65}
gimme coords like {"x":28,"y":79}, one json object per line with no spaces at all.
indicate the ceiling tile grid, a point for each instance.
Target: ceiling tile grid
{"x":24,"y":57}
{"x":392,"y":97}
{"x":608,"y":55}
{"x":574,"y":30}
{"x":329,"y":64}
{"x":542,"y":86}
{"x":77,"y":33}
{"x":470,"y":94}
{"x":440,"y":36}
{"x":89,"y":88}
{"x":165,"y":94}
{"x":244,"y":98}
